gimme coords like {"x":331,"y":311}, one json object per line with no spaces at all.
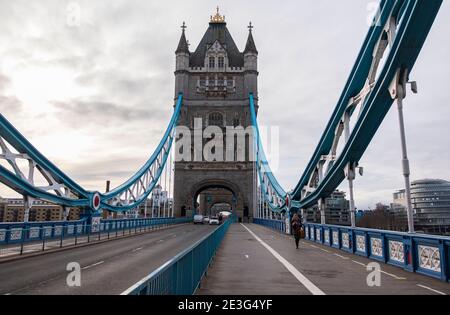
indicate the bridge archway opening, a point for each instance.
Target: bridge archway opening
{"x":212,"y":198}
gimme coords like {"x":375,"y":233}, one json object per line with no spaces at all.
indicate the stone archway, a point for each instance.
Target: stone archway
{"x":238,"y":201}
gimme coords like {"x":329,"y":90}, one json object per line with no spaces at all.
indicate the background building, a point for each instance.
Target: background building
{"x":397,"y":211}
{"x":3,"y":204}
{"x":431,"y":203}
{"x":337,"y":210}
{"x":158,"y":205}
{"x":13,"y":210}
{"x":399,"y":201}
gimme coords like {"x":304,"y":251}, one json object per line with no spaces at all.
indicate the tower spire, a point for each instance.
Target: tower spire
{"x":250,"y":47}
{"x":183,"y":46}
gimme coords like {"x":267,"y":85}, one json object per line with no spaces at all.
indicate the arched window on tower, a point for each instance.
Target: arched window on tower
{"x":221,"y":62}
{"x":216,"y":119}
{"x":212,"y":62}
{"x":220,"y":81}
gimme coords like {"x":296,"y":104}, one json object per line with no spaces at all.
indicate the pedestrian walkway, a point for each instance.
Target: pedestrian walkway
{"x":256,"y":260}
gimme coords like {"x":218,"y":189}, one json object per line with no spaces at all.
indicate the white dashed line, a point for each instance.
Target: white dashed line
{"x":340,"y":256}
{"x":297,"y":274}
{"x":324,"y":250}
{"x":393,"y":276}
{"x":93,"y":265}
{"x":314,"y":246}
{"x":359,"y":263}
{"x":246,"y":256}
{"x":137,"y":249}
{"x":160,"y":241}
{"x":433,"y":290}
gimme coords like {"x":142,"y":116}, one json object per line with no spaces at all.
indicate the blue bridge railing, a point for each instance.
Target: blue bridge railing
{"x":421,"y":253}
{"x":19,"y":232}
{"x":278,"y":225}
{"x":182,"y":274}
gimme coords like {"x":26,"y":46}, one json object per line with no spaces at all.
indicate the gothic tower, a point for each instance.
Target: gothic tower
{"x":215,"y":80}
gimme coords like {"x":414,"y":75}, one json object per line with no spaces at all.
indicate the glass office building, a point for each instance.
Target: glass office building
{"x":431,"y":203}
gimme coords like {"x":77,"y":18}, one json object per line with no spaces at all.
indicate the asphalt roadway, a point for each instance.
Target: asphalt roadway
{"x":106,"y":268}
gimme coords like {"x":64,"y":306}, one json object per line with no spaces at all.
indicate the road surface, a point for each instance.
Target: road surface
{"x":106,"y":268}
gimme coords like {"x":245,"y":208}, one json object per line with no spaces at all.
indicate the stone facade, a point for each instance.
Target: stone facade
{"x":216,"y":80}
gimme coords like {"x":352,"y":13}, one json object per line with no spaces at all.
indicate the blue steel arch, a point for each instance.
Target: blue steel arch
{"x":404,"y":26}
{"x":66,"y":191}
{"x":412,"y":22}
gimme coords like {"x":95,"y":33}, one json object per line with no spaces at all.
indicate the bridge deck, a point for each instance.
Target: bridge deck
{"x":244,"y":265}
{"x":106,"y":268}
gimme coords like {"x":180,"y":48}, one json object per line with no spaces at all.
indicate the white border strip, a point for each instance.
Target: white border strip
{"x":297,"y":274}
{"x":432,"y":290}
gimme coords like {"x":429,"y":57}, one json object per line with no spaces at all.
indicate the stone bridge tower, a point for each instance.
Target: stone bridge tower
{"x":215,"y":80}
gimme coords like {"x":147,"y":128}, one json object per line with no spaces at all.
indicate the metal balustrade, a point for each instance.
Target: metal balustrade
{"x":182,"y":274}
{"x":277,"y":225}
{"x":15,"y":236}
{"x":421,"y":253}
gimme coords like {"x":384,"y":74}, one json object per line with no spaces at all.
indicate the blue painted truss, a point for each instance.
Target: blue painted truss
{"x":62,"y":190}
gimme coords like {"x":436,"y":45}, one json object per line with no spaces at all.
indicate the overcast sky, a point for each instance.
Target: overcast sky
{"x":94,"y":91}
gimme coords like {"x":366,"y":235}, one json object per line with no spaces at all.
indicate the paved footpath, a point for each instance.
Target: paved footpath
{"x":256,"y":260}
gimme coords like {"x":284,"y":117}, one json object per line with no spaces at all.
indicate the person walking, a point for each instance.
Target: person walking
{"x":296,"y":225}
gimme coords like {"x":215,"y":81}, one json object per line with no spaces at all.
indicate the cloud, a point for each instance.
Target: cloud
{"x":10,"y":105}
{"x":119,"y":64}
{"x":75,"y":111}
{"x":4,"y":82}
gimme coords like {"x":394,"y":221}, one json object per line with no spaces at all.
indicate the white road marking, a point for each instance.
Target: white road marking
{"x":297,"y":274}
{"x":314,"y":246}
{"x":7,"y":294}
{"x":246,"y":256}
{"x":359,"y":263}
{"x":136,"y":249}
{"x":433,"y":290}
{"x":393,"y":276}
{"x":93,"y":265}
{"x":324,"y":250}
{"x":340,"y":256}
{"x":382,"y":271}
{"x":160,"y":241}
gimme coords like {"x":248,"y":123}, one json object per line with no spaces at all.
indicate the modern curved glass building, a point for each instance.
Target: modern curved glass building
{"x":431,"y":202}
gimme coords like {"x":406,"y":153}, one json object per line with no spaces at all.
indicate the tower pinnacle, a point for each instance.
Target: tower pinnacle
{"x":250,"y":47}
{"x":217,"y":18}
{"x":183,"y":46}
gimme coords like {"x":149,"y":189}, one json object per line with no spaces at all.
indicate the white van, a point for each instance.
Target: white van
{"x":198,"y":218}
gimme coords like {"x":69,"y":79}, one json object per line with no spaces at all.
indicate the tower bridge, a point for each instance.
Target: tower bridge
{"x":216,"y":93}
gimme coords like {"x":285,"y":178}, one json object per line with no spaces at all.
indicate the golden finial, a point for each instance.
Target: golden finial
{"x":217,"y":18}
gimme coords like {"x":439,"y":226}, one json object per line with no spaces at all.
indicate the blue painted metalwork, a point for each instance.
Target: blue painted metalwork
{"x":404,"y":26}
{"x":62,"y":190}
{"x":278,"y":225}
{"x":182,"y":274}
{"x":128,"y":187}
{"x":16,"y":233}
{"x":414,"y":19}
{"x":425,"y":254}
{"x":274,"y":194}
